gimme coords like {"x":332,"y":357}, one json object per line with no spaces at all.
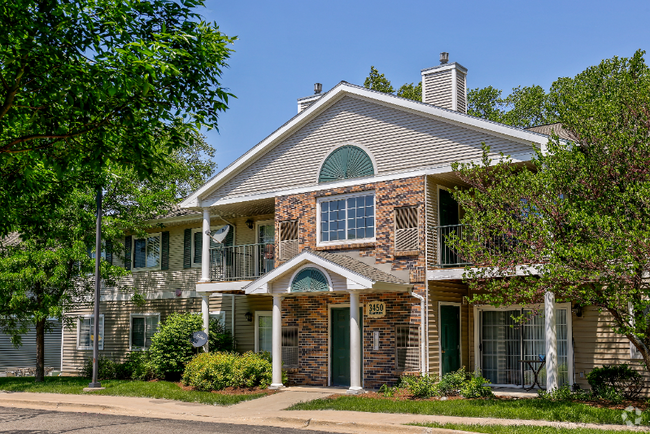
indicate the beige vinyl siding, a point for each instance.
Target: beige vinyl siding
{"x":397,"y":139}
{"x":450,"y":292}
{"x":438,"y":88}
{"x":244,"y":330}
{"x":461,"y":103}
{"x":596,"y":344}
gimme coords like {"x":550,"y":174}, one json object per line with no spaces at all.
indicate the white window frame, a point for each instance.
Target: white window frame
{"x":297,"y":347}
{"x":153,"y":234}
{"x":259,"y":313}
{"x":140,"y":315}
{"x":101,"y":326}
{"x":322,"y":199}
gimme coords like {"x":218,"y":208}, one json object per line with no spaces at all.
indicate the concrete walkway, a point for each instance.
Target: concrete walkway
{"x":267,"y":411}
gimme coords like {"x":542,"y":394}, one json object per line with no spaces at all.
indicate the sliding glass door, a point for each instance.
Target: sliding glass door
{"x":504,"y":342}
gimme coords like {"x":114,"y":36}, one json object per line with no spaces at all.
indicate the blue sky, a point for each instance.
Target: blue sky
{"x":284,"y":47}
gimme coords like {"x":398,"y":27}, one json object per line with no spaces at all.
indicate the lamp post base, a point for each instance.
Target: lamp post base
{"x":92,"y":387}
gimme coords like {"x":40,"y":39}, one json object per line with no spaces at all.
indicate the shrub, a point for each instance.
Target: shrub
{"x":475,"y":387}
{"x":219,"y":338}
{"x":615,"y":382}
{"x":424,"y":386}
{"x":171,"y":348}
{"x":216,"y":371}
{"x":451,"y":384}
{"x":107,"y":369}
{"x":137,"y":366}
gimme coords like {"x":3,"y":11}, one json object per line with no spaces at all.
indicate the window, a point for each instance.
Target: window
{"x":85,"y":335}
{"x":347,"y":218}
{"x":219,"y":316}
{"x":143,"y":327}
{"x":146,"y":251}
{"x":263,"y":331}
{"x":197,"y":243}
{"x":408,"y":348}
{"x":346,"y":162}
{"x":288,"y":240}
{"x":406,"y":230}
{"x":290,"y":347}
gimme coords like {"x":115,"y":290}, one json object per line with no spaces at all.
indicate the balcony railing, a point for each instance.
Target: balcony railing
{"x":244,"y":262}
{"x":445,"y":255}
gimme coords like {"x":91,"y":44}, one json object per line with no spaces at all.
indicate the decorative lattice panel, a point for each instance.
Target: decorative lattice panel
{"x":406,"y":230}
{"x":309,"y":280}
{"x":346,"y":162}
{"x":288,"y":240}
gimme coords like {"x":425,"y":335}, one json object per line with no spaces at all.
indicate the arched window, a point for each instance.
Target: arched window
{"x":309,"y":280}
{"x":346,"y":162}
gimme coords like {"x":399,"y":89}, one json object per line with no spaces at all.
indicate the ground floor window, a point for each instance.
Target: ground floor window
{"x":143,"y":327}
{"x":263,"y":331}
{"x":408,"y":348}
{"x":85,"y":332}
{"x":290,"y":347}
{"x":504,"y":342}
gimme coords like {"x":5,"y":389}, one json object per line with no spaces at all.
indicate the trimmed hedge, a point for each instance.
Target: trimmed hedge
{"x":216,"y":371}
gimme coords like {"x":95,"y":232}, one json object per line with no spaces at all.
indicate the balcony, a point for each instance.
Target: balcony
{"x":244,"y":262}
{"x":445,"y":255}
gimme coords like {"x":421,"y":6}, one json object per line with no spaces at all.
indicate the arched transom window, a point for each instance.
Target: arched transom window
{"x":346,"y":162}
{"x":309,"y":279}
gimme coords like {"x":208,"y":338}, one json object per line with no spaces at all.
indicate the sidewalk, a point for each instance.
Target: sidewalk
{"x":266,"y":411}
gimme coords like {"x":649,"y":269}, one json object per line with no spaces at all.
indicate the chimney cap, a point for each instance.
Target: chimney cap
{"x":444,"y":58}
{"x":318,"y":88}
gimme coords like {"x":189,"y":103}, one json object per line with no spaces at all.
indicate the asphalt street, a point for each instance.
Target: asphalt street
{"x":26,"y":421}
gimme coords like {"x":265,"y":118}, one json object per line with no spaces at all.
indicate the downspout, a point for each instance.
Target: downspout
{"x":426,"y":269}
{"x":423,"y":367}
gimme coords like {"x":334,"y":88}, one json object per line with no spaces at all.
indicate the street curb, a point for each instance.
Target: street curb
{"x":370,"y":427}
{"x":58,"y":404}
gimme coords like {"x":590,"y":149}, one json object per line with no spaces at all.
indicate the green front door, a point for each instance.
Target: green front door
{"x":450,"y":338}
{"x":341,"y":345}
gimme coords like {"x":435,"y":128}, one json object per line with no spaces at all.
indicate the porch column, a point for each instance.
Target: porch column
{"x":355,"y":345}
{"x":205,"y":247}
{"x":205,"y":312}
{"x":277,"y":343}
{"x":551,"y":341}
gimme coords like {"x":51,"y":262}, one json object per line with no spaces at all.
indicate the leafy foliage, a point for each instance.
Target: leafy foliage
{"x":610,"y":381}
{"x":579,"y":218}
{"x":380,"y":83}
{"x":467,"y":385}
{"x":135,"y":367}
{"x":216,"y":371}
{"x":171,"y":347}
{"x":220,"y":338}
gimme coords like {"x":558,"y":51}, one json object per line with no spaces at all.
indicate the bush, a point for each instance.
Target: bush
{"x":171,"y":348}
{"x":219,"y":338}
{"x":451,"y":384}
{"x":615,"y":382}
{"x":216,"y":371}
{"x":475,"y":387}
{"x":136,"y":367}
{"x":107,"y":369}
{"x":424,"y":386}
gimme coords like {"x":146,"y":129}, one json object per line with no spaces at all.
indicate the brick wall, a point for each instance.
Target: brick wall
{"x":310,"y":313}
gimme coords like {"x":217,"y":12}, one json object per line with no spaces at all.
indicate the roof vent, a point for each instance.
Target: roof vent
{"x":444,"y":58}
{"x":318,"y":88}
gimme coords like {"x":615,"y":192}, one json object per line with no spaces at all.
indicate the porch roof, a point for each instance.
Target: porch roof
{"x":351,"y":275}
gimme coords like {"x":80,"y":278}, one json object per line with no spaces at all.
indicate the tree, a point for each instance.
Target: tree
{"x":524,"y":107}
{"x":578,"y":220}
{"x":49,"y":270}
{"x":409,"y":91}
{"x":92,"y":83}
{"x":378,"y":82}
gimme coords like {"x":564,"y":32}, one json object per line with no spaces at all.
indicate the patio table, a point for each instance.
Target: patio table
{"x":531,"y":364}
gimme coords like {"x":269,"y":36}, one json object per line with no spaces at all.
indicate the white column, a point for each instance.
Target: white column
{"x":355,"y":344}
{"x":205,"y":311}
{"x":277,"y":343}
{"x":205,"y":247}
{"x":551,"y":341}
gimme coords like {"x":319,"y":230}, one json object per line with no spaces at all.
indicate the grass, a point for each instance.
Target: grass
{"x":521,"y":429}
{"x":531,"y":409}
{"x":143,"y":389}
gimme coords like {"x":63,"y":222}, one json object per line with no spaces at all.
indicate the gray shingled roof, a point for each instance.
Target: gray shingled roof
{"x":550,"y":129}
{"x":358,"y":267}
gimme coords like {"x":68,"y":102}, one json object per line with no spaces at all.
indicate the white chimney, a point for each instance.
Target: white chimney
{"x":445,"y":85}
{"x":305,"y":102}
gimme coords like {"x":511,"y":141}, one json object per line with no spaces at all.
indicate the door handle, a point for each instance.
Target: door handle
{"x":443,"y":351}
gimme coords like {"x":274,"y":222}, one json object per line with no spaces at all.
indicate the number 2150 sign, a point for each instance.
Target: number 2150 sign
{"x":376,"y":309}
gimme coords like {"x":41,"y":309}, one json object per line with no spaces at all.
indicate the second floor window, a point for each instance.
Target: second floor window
{"x":347,"y":218}
{"x":146,"y":252}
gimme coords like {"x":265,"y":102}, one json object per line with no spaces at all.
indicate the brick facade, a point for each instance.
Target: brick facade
{"x":311,"y":313}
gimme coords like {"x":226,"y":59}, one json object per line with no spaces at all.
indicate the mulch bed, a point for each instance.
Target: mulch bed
{"x":234,"y":391}
{"x":405,"y":395}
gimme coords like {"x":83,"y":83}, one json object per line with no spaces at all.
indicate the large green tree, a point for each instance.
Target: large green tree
{"x":577,"y":218}
{"x":91,"y":83}
{"x":380,"y":83}
{"x":45,"y":268}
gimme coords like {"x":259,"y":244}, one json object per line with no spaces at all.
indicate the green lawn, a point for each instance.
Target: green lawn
{"x":522,"y":429}
{"x":533,"y":409}
{"x":144,"y":389}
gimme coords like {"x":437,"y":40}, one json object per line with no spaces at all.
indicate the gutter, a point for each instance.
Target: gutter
{"x":423,"y":368}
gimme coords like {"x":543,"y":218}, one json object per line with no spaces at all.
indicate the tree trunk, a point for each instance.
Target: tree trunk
{"x":40,"y":350}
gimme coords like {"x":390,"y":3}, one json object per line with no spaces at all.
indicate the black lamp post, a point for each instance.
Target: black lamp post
{"x":98,"y":256}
